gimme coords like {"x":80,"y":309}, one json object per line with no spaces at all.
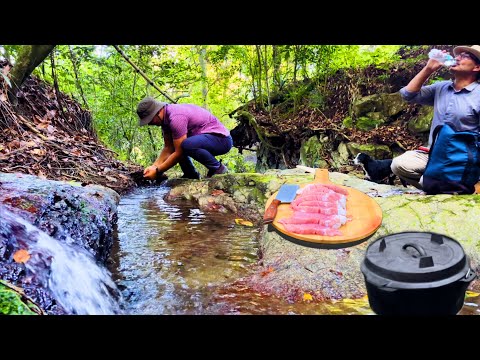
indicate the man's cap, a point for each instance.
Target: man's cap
{"x":474,"y":50}
{"x":147,"y":108}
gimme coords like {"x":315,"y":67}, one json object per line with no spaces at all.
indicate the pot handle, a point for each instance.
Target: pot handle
{"x":469,"y":276}
{"x":425,"y":260}
{"x":420,"y":249}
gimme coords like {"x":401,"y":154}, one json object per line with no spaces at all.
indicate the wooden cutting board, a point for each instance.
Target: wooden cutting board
{"x":365,"y":213}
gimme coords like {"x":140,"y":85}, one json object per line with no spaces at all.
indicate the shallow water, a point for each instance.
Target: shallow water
{"x":172,"y":258}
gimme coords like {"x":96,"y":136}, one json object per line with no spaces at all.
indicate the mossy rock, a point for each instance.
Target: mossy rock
{"x":366,"y":104}
{"x":376,"y":151}
{"x":365,"y":123}
{"x":386,"y":104}
{"x":393,"y":104}
{"x":310,"y":153}
{"x":423,"y":121}
{"x":340,"y":156}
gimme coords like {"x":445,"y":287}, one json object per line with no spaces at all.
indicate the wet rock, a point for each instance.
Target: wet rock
{"x":13,"y":237}
{"x":221,"y":202}
{"x":71,"y":213}
{"x":64,"y":210}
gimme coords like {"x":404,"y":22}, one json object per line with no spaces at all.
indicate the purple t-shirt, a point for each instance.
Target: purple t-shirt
{"x":190,"y":119}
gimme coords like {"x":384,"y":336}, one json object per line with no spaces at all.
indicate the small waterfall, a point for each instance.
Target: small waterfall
{"x":71,"y":274}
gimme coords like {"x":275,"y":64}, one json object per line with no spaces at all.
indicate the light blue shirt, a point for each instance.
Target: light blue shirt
{"x":462,"y":108}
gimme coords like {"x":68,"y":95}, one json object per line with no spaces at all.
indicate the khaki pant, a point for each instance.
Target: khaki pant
{"x":410,"y":166}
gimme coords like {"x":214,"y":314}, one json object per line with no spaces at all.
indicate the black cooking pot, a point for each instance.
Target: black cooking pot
{"x":416,"y":273}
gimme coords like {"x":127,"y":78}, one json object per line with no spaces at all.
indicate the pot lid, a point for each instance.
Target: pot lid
{"x":415,"y":257}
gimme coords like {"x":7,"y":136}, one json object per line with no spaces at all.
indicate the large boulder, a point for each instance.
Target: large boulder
{"x":291,"y":270}
{"x":422,"y":122}
{"x":311,"y":152}
{"x":383,"y":105}
{"x":374,"y":150}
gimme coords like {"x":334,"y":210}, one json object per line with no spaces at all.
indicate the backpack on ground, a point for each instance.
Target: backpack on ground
{"x":454,"y":162}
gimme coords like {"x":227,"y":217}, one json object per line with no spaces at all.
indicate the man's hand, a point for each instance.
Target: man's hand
{"x":150,"y":172}
{"x":433,"y":65}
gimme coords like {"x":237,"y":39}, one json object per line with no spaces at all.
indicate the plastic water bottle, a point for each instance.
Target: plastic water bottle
{"x":445,"y":58}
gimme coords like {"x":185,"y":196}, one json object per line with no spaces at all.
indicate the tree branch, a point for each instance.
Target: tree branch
{"x":73,"y":59}
{"x":142,"y":73}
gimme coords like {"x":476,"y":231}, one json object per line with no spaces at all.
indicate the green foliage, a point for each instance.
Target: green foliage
{"x":236,"y":162}
{"x":435,"y":79}
{"x":11,"y":303}
{"x":348,"y":122}
{"x":233,"y":74}
{"x":316,"y":99}
{"x":383,"y":77}
{"x":298,"y":93}
{"x":381,"y":56}
{"x":10,"y":52}
{"x":365,"y":123}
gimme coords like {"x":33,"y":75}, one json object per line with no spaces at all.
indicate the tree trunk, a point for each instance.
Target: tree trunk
{"x":265,"y":65}
{"x":29,"y":57}
{"x":259,"y":77}
{"x":202,"y":53}
{"x":254,"y":88}
{"x":277,"y":60}
{"x":295,"y":64}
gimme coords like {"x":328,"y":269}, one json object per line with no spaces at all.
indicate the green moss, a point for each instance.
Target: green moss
{"x":366,"y":123}
{"x":348,"y":122}
{"x":256,"y":179}
{"x":316,"y":99}
{"x":377,"y":151}
{"x":311,"y":153}
{"x":11,"y":303}
{"x":422,"y":122}
{"x":258,"y":196}
{"x":454,"y":216}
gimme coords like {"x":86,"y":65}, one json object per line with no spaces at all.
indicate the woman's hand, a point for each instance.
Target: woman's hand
{"x":150,"y":172}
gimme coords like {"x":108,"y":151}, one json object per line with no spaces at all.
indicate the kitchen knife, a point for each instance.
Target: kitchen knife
{"x":286,"y":194}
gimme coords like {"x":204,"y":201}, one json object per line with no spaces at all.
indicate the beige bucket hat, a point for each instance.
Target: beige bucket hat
{"x":474,"y":50}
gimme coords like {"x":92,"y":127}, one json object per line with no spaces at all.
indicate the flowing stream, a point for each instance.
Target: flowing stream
{"x":76,"y":281}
